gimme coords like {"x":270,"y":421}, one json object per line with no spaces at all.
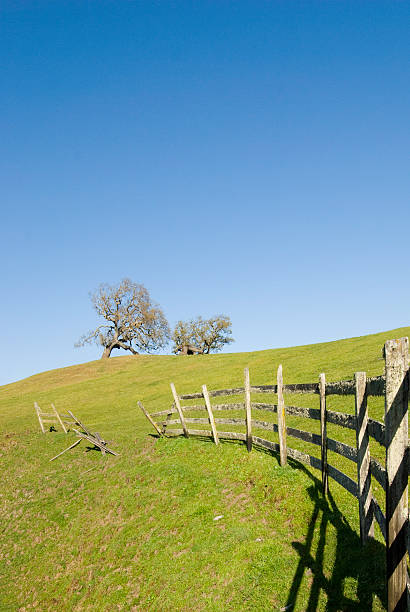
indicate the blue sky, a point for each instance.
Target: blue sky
{"x":246,"y":158}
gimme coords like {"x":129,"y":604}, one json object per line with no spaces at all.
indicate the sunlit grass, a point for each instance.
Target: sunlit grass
{"x":137,"y":532}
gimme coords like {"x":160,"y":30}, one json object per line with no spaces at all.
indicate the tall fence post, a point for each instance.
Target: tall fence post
{"x":248,"y":411}
{"x":210,"y":413}
{"x":364,"y":482}
{"x":396,"y":354}
{"x":323,"y":431}
{"x":281,"y":418}
{"x":178,"y":406}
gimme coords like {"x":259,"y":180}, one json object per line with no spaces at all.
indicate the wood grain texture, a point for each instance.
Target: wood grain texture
{"x":323,"y":431}
{"x":150,"y":419}
{"x":396,"y":423}
{"x":281,"y":418}
{"x":59,"y":418}
{"x":363,"y":459}
{"x":179,"y":409}
{"x":210,"y":414}
{"x":248,"y":410}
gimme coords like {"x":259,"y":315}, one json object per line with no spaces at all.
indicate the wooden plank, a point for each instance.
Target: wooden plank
{"x":222,"y":421}
{"x":342,"y":449}
{"x":178,"y":407}
{"x":264,"y":425}
{"x":377,"y":431}
{"x":307,"y":413}
{"x":363,"y":460}
{"x":348,"y":483}
{"x":263,"y":406}
{"x":165,"y":412}
{"x":248,"y":411}
{"x":304,"y":458}
{"x":37,"y":409}
{"x":59,"y":419}
{"x":166,"y":422}
{"x":396,"y":423}
{"x":378,"y":472}
{"x":376,"y":386}
{"x":230,"y":435}
{"x":102,"y":442}
{"x":78,"y":422}
{"x":342,"y":419}
{"x":323,"y":431}
{"x":273,"y":446}
{"x":150,"y":419}
{"x":67,"y":449}
{"x":215,"y":393}
{"x":306,"y":436}
{"x":210,"y":415}
{"x":91,"y":438}
{"x":341,"y":387}
{"x":301,"y":388}
{"x":290,"y":389}
{"x":380,"y":518}
{"x":297,"y":388}
{"x":281,"y":418}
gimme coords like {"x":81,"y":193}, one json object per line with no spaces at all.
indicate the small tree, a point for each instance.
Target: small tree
{"x":133,"y":321}
{"x":202,"y":335}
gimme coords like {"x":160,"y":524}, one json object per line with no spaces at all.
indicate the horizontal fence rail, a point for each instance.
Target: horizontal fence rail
{"x":391,"y":435}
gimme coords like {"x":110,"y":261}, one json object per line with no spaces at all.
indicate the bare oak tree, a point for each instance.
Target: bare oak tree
{"x":133,"y":321}
{"x":202,"y":335}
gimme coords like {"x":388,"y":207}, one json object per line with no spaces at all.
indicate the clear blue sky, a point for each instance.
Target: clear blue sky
{"x":246,"y":158}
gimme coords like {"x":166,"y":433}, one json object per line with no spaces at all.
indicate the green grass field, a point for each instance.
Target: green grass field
{"x":137,"y":532}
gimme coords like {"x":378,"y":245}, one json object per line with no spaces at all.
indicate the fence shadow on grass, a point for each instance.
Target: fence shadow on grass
{"x":366,"y":565}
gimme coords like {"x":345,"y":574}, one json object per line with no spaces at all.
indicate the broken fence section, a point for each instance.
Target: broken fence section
{"x":393,"y":435}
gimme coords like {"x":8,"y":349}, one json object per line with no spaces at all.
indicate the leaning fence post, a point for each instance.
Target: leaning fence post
{"x":281,"y":419}
{"x":396,"y":354}
{"x":210,"y":413}
{"x":364,"y":482}
{"x":248,"y":411}
{"x":323,"y":430}
{"x":178,"y":405}
{"x":150,"y":419}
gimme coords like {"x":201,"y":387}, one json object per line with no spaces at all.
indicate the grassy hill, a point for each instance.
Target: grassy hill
{"x":137,"y":532}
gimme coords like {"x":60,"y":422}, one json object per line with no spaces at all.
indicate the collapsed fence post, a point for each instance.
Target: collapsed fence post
{"x":248,"y":411}
{"x":150,"y":419}
{"x":364,"y":484}
{"x":396,"y":423}
{"x":281,"y":419}
{"x":210,"y":414}
{"x":178,"y":406}
{"x":323,"y":431}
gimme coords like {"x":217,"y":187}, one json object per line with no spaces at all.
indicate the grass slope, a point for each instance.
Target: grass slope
{"x":137,"y":532}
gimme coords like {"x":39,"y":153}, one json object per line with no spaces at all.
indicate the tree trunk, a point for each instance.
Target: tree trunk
{"x":107,"y":352}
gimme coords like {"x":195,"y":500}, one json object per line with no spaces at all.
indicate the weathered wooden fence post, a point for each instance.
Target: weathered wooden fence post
{"x":58,"y":418}
{"x":281,"y":418}
{"x":37,"y":409}
{"x":150,"y":419}
{"x":248,"y":411}
{"x":396,"y":354}
{"x":180,"y":413}
{"x":323,"y":431}
{"x":210,"y":413}
{"x":364,"y":482}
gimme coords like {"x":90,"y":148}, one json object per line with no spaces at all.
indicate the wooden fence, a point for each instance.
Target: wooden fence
{"x":392,"y":435}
